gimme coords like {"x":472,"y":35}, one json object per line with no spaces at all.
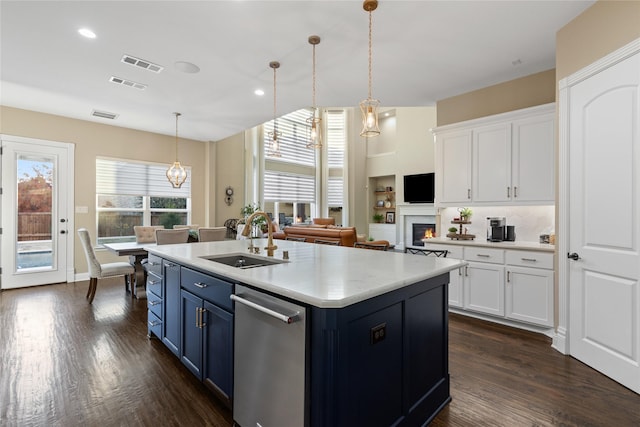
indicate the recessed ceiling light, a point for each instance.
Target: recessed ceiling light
{"x":85,"y":32}
{"x":259,"y":92}
{"x":186,"y":67}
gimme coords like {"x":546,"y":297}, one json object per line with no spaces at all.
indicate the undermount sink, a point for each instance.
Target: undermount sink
{"x":243,"y":261}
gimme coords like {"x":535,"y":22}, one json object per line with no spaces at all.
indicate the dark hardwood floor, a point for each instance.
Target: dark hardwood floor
{"x":66,"y":363}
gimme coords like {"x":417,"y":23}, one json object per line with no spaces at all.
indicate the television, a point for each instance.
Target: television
{"x":419,"y":188}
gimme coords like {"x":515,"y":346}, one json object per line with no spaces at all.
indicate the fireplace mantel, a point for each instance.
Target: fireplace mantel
{"x":407,"y":214}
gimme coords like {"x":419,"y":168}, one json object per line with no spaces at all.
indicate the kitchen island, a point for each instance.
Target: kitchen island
{"x":375,"y":349}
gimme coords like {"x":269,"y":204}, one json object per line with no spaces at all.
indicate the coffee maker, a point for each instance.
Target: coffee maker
{"x":496,"y":228}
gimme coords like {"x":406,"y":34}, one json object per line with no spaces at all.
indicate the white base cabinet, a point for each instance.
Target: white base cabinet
{"x":511,"y":284}
{"x":484,"y":288}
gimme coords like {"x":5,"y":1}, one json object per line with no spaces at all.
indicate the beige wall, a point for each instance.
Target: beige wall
{"x":598,"y":31}
{"x":95,"y":139}
{"x":529,"y":91}
{"x":229,"y":172}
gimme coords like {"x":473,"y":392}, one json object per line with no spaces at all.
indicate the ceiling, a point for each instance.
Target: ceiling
{"x":423,"y":51}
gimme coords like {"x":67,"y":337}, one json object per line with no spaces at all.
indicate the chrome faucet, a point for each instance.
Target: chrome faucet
{"x":247,"y":228}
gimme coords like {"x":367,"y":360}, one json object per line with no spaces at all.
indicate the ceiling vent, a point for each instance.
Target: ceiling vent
{"x":126,"y":82}
{"x":137,"y":62}
{"x":104,"y":114}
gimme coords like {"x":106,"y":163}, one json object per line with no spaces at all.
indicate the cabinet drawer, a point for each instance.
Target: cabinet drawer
{"x":495,"y":256}
{"x":154,"y":284}
{"x":207,"y":287}
{"x":154,"y":324}
{"x":454,"y":251}
{"x":530,"y":259}
{"x":154,"y":303}
{"x":154,"y":265}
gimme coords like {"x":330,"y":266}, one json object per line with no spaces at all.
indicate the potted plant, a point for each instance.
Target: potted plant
{"x":249,"y":209}
{"x":378,"y":217}
{"x":465,"y":214}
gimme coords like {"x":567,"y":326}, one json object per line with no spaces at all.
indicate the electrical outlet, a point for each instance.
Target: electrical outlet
{"x":378,"y":333}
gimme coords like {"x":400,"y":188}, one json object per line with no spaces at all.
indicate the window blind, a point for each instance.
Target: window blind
{"x":284,"y":187}
{"x":295,"y":131}
{"x":137,"y":179}
{"x":335,"y":191}
{"x":336,"y":138}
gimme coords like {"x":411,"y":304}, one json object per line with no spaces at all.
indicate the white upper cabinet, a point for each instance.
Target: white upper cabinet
{"x":504,"y":159}
{"x":533,"y":165}
{"x":453,"y":167}
{"x":492,"y":163}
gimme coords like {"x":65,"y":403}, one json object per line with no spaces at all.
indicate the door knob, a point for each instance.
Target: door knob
{"x":574,"y":256}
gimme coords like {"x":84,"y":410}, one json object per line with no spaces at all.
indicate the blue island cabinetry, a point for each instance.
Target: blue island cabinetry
{"x":383,"y":361}
{"x":379,"y":362}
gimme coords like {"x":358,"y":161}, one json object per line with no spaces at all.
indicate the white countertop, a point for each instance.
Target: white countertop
{"x":518,"y":244}
{"x":321,"y":275}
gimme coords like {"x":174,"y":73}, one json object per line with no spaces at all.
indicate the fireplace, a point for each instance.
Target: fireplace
{"x":421,"y":231}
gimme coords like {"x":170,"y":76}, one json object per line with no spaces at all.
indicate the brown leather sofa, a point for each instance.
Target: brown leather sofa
{"x":346,"y":236}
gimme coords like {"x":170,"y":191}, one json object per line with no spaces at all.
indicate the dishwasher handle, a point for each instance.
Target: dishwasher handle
{"x":280,"y":316}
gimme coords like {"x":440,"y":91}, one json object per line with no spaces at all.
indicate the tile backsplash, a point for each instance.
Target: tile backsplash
{"x":530,"y":221}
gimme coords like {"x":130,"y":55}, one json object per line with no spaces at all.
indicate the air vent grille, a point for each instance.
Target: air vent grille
{"x":137,"y":62}
{"x":126,"y":82}
{"x":104,"y":114}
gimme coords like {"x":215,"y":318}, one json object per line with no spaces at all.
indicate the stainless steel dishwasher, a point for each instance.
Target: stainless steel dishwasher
{"x":269,"y":361}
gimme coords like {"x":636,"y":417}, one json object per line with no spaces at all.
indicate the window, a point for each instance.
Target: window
{"x":336,"y":144}
{"x":135,"y":193}
{"x":289,"y":184}
{"x":295,"y":132}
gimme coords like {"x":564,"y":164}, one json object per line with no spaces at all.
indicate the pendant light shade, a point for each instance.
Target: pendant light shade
{"x":369,"y":107}
{"x":315,"y":120}
{"x":274,"y":136}
{"x":176,"y":174}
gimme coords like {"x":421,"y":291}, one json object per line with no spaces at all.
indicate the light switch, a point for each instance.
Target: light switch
{"x":82,"y":209}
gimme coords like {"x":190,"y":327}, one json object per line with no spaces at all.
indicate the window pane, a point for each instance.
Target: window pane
{"x":120,"y":202}
{"x":168,"y":203}
{"x":168,"y":219}
{"x":118,"y":225}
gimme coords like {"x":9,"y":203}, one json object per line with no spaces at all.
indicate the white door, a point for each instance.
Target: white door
{"x":604,"y":221}
{"x":37,"y":192}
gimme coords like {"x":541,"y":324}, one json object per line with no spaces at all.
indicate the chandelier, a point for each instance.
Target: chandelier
{"x":315,"y":120}
{"x":274,"y":136}
{"x":369,"y":107}
{"x":176,"y":174}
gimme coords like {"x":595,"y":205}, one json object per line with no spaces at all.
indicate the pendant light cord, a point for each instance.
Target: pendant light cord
{"x":314,"y":76}
{"x":370,"y":50}
{"x":177,"y":115}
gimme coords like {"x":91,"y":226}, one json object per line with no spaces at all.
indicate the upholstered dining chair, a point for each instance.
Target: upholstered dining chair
{"x":327,"y":242}
{"x":167,"y":237}
{"x":189,"y":226}
{"x":211,"y":234}
{"x":100,"y":271}
{"x":377,"y":245}
{"x":146,"y":233}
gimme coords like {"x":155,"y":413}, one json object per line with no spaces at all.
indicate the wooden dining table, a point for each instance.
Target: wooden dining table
{"x":136,"y":253}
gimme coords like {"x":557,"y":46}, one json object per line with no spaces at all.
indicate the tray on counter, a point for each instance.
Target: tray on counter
{"x":458,"y":236}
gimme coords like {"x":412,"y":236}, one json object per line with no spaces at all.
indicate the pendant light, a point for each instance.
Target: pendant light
{"x":176,"y":174}
{"x":315,"y":120}
{"x":369,"y":107}
{"x":274,"y":136}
